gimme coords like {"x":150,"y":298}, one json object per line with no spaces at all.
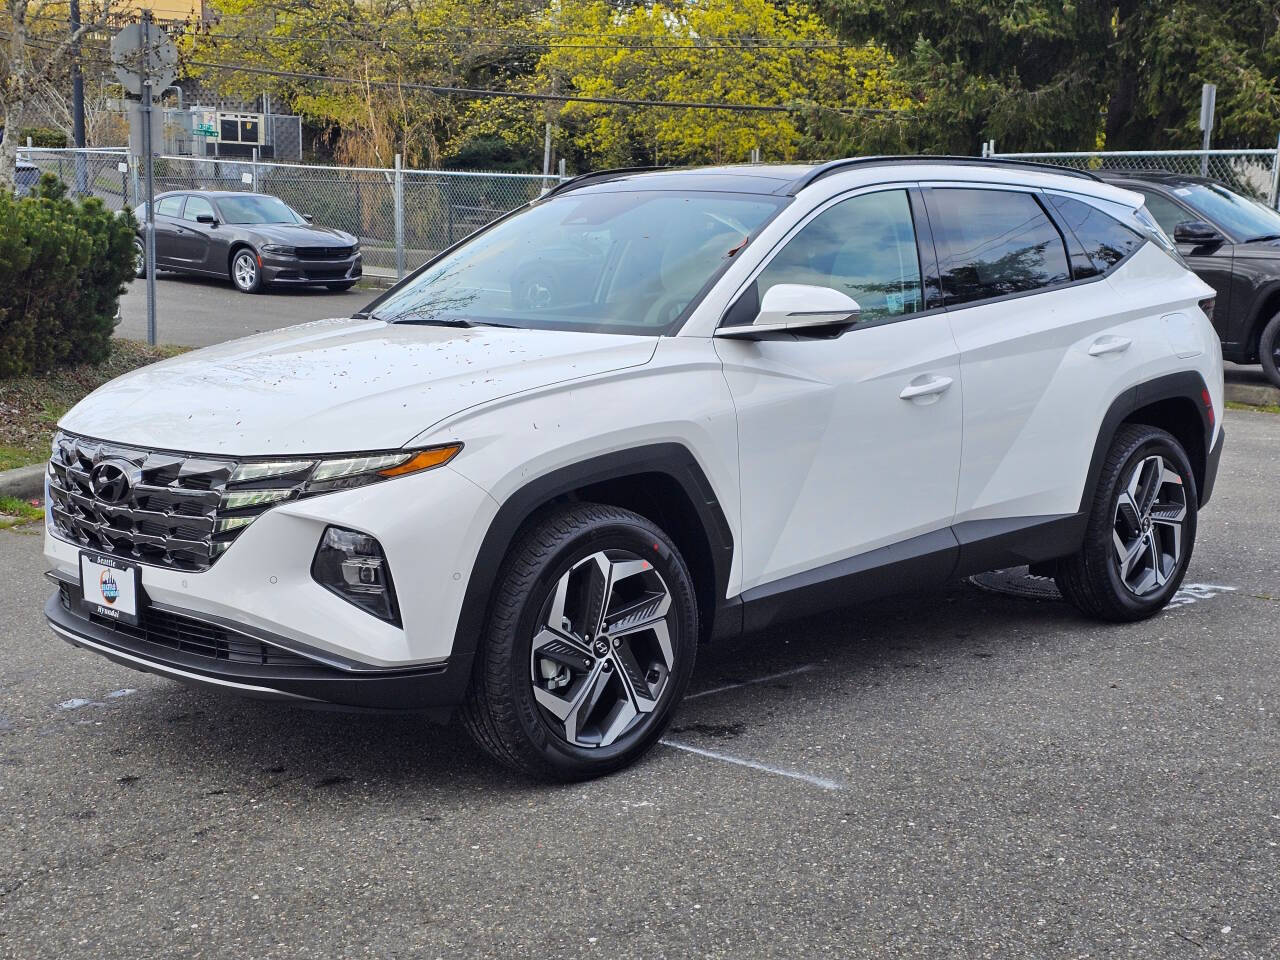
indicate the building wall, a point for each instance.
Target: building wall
{"x":167,"y":10}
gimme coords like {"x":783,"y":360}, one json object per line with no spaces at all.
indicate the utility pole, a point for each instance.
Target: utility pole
{"x":1208,"y":101}
{"x":77,"y":103}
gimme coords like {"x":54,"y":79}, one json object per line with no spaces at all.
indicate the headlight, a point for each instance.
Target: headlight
{"x":257,"y":485}
{"x":279,"y":248}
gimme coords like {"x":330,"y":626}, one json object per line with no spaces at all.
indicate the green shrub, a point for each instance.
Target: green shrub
{"x":63,"y":266}
{"x":42,"y":137}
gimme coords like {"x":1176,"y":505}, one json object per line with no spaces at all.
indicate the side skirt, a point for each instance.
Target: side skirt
{"x":920,"y":563}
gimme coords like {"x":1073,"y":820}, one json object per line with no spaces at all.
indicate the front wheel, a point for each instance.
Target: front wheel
{"x":589,"y":646}
{"x":246,"y":273}
{"x":1269,"y":350}
{"x":139,"y":259}
{"x":1141,"y":530}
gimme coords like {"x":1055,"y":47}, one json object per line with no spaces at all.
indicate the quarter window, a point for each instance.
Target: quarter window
{"x":195,"y":207}
{"x":864,"y":246}
{"x":993,"y":243}
{"x":1106,"y":241}
{"x":169,"y":206}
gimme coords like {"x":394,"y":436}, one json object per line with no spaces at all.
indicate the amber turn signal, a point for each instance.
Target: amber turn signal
{"x":423,"y":460}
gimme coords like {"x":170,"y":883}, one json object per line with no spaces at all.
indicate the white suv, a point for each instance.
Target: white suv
{"x":645,"y":410}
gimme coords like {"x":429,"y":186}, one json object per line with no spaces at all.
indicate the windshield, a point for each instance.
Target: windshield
{"x":256,"y":210}
{"x":1241,"y":217}
{"x":598,"y":262}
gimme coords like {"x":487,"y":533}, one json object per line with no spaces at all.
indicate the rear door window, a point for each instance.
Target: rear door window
{"x":993,"y":243}
{"x":1167,"y":213}
{"x":169,"y":206}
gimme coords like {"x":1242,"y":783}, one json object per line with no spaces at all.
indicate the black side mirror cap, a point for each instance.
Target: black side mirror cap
{"x":208,"y":218}
{"x":1196,"y":232}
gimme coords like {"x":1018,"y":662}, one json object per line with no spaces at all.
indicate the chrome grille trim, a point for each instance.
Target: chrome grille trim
{"x":170,"y":514}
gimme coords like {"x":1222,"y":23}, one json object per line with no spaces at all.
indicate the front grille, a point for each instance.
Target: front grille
{"x":325,"y":253}
{"x":171,"y":512}
{"x":195,"y":637}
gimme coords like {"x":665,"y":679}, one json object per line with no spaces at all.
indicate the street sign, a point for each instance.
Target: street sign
{"x":204,"y":130}
{"x":137,"y":141}
{"x":127,"y":56}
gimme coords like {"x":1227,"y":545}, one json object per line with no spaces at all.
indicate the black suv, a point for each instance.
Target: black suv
{"x":1233,"y":243}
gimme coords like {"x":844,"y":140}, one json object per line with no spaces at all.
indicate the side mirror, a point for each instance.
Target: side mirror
{"x":797,"y":308}
{"x":1196,"y":232}
{"x":309,"y":218}
{"x":207,"y":218}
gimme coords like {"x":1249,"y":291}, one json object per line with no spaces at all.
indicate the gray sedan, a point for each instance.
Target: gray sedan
{"x":250,"y":238}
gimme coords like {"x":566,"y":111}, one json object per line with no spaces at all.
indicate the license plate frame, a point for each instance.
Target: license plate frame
{"x":111,"y":587}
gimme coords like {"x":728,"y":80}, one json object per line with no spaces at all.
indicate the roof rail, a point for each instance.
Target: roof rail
{"x":833,"y":166}
{"x":582,"y":179}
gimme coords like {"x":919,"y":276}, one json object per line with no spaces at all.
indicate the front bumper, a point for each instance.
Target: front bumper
{"x":228,"y":658}
{"x":277,"y":269}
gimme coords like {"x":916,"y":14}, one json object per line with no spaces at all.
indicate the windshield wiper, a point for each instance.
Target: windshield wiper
{"x":1268,"y":236}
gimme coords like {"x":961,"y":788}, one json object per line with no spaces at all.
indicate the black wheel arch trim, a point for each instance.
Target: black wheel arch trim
{"x":674,"y":460}
{"x":1184,"y":385}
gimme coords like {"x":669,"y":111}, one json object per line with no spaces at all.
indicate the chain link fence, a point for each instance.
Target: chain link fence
{"x":1253,"y":173}
{"x":402,"y":217}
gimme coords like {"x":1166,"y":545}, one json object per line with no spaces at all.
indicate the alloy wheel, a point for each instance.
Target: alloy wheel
{"x":1147,"y":530}
{"x":602,"y":653}
{"x":245,"y":270}
{"x":139,"y":258}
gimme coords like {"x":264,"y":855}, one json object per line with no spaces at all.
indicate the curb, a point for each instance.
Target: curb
{"x":24,"y":483}
{"x":1254,"y":394}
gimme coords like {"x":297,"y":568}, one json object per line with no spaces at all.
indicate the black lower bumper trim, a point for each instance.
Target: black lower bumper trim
{"x":436,"y":689}
{"x":1211,"y":467}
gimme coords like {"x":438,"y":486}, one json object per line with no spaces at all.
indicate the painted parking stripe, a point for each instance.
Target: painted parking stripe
{"x":822,"y":782}
{"x":746,"y":683}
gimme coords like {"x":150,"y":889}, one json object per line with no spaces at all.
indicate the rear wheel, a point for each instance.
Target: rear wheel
{"x":589,"y":646}
{"x":246,"y":274}
{"x":1269,"y":350}
{"x":139,"y":259}
{"x":1141,"y":531}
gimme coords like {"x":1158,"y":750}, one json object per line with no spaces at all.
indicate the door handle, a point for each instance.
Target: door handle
{"x":928,"y":387}
{"x":1109,"y":345}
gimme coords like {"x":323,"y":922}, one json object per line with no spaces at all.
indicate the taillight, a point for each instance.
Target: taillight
{"x":1208,"y":400}
{"x":1207,"y":305}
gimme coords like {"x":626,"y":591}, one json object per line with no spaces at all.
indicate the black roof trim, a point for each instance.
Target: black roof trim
{"x":601,"y":176}
{"x":834,"y":166}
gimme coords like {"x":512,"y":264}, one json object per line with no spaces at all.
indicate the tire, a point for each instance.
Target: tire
{"x":246,"y":272}
{"x":520,"y":706}
{"x":139,"y":259}
{"x":1127,"y":515}
{"x":1269,"y":350}
{"x":339,"y":287}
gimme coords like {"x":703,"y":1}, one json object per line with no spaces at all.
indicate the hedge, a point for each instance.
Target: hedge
{"x":63,"y":267}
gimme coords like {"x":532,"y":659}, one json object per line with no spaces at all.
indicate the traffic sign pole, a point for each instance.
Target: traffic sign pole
{"x":150,"y":148}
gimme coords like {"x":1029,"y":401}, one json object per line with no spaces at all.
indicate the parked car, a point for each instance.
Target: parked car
{"x":1233,"y":244}
{"x":760,"y":392}
{"x":26,"y":176}
{"x":253,"y":239}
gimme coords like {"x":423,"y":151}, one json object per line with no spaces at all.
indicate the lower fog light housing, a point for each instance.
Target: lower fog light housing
{"x":352,"y":565}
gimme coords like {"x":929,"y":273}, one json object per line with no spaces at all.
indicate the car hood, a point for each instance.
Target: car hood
{"x":337,"y":385}
{"x":299,"y":235}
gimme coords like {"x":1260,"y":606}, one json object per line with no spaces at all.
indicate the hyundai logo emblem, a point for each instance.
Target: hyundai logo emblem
{"x":109,"y":481}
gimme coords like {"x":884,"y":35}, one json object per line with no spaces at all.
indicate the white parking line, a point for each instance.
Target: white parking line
{"x":822,"y":782}
{"x":746,"y":683}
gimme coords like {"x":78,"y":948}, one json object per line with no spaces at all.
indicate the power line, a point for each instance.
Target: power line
{"x":480,"y":93}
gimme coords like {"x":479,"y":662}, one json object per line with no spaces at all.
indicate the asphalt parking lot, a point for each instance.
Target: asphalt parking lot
{"x":960,"y":775}
{"x":197,"y":312}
